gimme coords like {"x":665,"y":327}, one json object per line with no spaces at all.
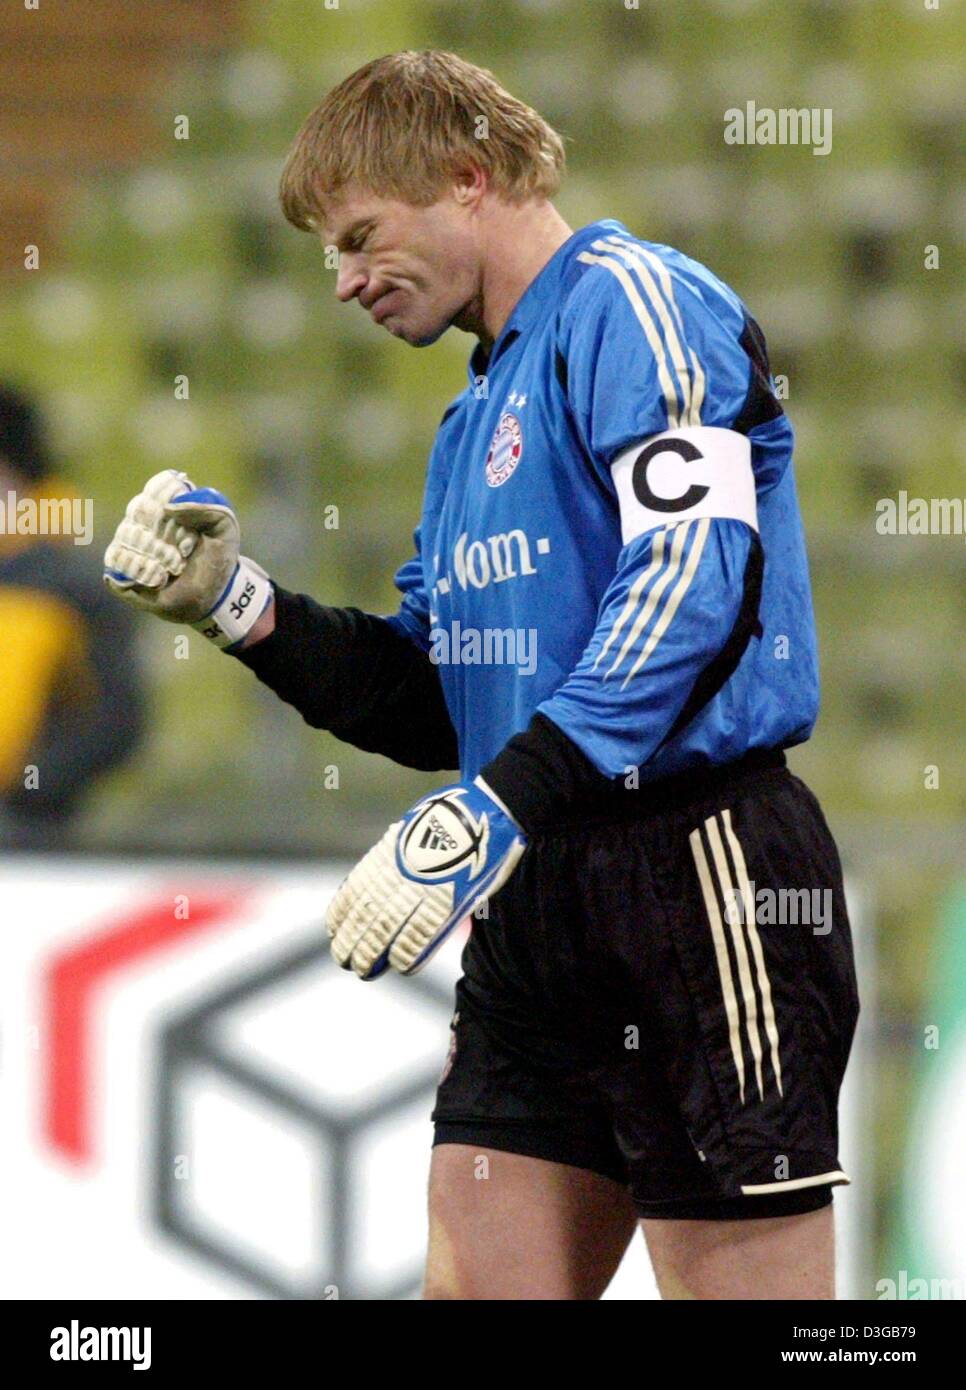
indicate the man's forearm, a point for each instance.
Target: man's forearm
{"x":352,"y":673}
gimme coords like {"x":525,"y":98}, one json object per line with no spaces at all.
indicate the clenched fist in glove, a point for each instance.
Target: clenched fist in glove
{"x":176,"y":554}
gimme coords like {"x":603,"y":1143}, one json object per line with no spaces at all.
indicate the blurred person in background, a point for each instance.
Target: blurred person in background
{"x":71,"y":697}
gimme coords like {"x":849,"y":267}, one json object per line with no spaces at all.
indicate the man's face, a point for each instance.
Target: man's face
{"x":415,"y":269}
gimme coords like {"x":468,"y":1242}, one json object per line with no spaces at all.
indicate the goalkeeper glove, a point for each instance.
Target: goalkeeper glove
{"x":451,"y":851}
{"x":176,"y":554}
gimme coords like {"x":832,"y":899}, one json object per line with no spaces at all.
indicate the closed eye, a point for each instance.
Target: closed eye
{"x":357,"y":240}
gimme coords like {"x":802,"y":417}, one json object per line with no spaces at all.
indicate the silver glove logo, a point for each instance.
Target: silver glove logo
{"x":443,"y":836}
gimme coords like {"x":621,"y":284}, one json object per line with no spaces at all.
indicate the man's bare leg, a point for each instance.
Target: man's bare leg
{"x":502,"y":1226}
{"x":770,"y":1257}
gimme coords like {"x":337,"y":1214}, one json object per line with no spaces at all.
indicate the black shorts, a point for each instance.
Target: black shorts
{"x":668,"y":998}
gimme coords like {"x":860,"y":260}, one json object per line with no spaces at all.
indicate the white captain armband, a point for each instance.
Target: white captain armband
{"x":695,"y":471}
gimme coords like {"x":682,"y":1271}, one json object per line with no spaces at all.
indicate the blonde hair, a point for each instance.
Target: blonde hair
{"x":405,"y":125}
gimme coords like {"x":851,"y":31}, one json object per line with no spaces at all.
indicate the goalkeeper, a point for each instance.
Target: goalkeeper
{"x":629,"y":1041}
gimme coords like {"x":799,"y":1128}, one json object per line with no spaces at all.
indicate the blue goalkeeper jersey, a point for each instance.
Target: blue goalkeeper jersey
{"x":610,"y":533}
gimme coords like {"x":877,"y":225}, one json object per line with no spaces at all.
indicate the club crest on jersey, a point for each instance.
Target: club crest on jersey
{"x":443,"y":837}
{"x":506,"y":447}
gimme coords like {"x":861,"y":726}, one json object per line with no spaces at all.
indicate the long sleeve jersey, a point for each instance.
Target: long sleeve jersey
{"x":611,"y":503}
{"x":610,"y":567}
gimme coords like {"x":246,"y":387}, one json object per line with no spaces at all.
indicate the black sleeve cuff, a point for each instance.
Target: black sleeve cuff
{"x":541,"y":776}
{"x":352,"y":673}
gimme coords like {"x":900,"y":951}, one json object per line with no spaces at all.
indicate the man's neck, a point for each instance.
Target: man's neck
{"x":521,"y":239}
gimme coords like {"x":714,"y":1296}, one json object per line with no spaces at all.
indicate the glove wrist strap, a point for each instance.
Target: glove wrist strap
{"x":239,"y":608}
